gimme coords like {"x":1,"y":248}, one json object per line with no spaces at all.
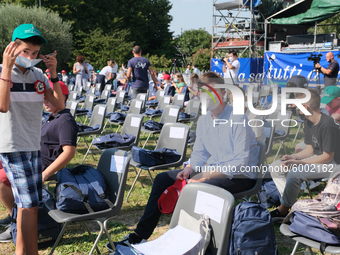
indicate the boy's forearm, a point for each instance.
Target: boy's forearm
{"x":5,"y":89}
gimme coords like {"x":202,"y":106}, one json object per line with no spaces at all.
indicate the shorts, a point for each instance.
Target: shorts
{"x":24,"y":172}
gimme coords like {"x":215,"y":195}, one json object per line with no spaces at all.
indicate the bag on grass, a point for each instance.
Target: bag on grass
{"x":252,"y":230}
{"x":154,"y":157}
{"x":48,"y":228}
{"x":81,"y":190}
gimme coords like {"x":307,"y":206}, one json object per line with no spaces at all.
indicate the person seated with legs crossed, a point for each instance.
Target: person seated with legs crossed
{"x":322,"y":153}
{"x":58,"y":147}
{"x":218,"y":148}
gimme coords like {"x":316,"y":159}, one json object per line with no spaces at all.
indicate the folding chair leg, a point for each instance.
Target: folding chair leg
{"x":297,"y":132}
{"x":133,"y":184}
{"x":136,"y":174}
{"x":118,"y":129}
{"x":310,"y":250}
{"x":59,"y":237}
{"x":95,"y":242}
{"x":107,"y":232}
{"x":295,"y":248}
{"x":278,"y":151}
{"x":147,"y":139}
{"x":308,"y":188}
{"x":88,"y":150}
{"x":150,"y":176}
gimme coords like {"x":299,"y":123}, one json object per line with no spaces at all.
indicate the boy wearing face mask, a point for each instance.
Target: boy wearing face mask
{"x":22,"y":91}
{"x":231,"y":67}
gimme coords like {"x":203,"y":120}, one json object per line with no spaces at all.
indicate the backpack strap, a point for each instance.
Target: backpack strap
{"x":84,"y":191}
{"x":95,"y":184}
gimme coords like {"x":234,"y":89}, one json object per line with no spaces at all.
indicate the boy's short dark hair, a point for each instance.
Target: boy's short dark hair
{"x":314,"y":101}
{"x":35,"y":40}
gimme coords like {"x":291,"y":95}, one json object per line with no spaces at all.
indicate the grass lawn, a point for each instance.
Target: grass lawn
{"x":76,"y":241}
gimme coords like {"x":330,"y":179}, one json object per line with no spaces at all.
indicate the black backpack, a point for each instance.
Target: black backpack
{"x":48,"y":228}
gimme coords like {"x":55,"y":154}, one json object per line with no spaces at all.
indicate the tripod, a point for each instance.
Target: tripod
{"x":173,"y":65}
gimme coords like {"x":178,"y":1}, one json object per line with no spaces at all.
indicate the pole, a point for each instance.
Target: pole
{"x":316,"y":24}
{"x":265,"y":34}
{"x":40,"y":4}
{"x":251,"y":29}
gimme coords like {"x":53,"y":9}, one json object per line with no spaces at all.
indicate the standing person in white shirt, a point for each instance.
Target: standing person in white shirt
{"x":106,"y":72}
{"x":196,"y":71}
{"x":231,"y":67}
{"x":188,"y":70}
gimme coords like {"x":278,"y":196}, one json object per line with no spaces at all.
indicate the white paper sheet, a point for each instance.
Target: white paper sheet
{"x":167,"y":100}
{"x":173,"y":112}
{"x":171,"y":243}
{"x":180,"y":97}
{"x":122,"y":94}
{"x":162,"y":93}
{"x":142,"y":97}
{"x":138,"y":104}
{"x":117,"y":163}
{"x":91,"y":99}
{"x":196,"y":104}
{"x":101,"y":110}
{"x":113,"y":102}
{"x":210,"y":205}
{"x":73,"y":105}
{"x":98,"y":85}
{"x":177,"y":132}
{"x":135,"y":122}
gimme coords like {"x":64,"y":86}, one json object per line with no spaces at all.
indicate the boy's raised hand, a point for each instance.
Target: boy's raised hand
{"x":50,"y":61}
{"x":9,"y":55}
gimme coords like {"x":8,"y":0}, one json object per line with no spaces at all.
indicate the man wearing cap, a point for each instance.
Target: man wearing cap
{"x":331,"y":72}
{"x":22,"y":91}
{"x":332,"y":99}
{"x":58,"y":147}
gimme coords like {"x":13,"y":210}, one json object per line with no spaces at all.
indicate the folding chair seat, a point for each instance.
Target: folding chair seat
{"x":113,"y":165}
{"x":164,"y":101}
{"x":174,"y":136}
{"x":192,"y":109}
{"x":97,"y":120}
{"x":72,"y":106}
{"x":189,"y":200}
{"x":169,"y":115}
{"x":257,"y":187}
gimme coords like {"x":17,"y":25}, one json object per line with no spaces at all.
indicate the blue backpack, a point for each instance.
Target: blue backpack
{"x":273,"y":196}
{"x":113,"y":140}
{"x":153,"y":125}
{"x":154,"y":157}
{"x":252,"y":231}
{"x":81,"y":190}
{"x":48,"y":228}
{"x":150,"y":111}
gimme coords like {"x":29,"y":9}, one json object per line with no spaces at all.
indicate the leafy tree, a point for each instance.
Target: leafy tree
{"x":99,"y":47}
{"x":268,"y":8}
{"x":158,"y":62}
{"x":327,"y":26}
{"x":201,"y":59}
{"x":190,"y":42}
{"x":53,"y":29}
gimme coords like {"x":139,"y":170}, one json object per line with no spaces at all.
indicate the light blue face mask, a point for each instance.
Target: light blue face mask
{"x":176,"y":80}
{"x":26,"y":63}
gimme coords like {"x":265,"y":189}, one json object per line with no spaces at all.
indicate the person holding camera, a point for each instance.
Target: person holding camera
{"x":231,"y":67}
{"x":331,"y":72}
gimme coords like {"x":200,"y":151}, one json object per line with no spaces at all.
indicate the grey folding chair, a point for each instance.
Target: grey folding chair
{"x":97,"y":118}
{"x":192,"y":109}
{"x":159,"y":95}
{"x":70,"y":87}
{"x":278,"y":125}
{"x":174,"y":136}
{"x":220,"y":230}
{"x":269,"y":131}
{"x":114,"y":166}
{"x":72,"y":106}
{"x":87,"y":85}
{"x":87,"y":107}
{"x":72,"y":96}
{"x":164,"y":101}
{"x":108,"y":87}
{"x":178,"y":99}
{"x":103,"y":97}
{"x":79,"y":91}
{"x":257,"y":187}
{"x":110,"y":108}
{"x":120,"y":97}
{"x":169,"y":115}
{"x":144,"y":98}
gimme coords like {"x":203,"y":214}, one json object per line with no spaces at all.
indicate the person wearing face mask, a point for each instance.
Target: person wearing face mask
{"x":217,"y":146}
{"x":178,"y":83}
{"x":331,"y":72}
{"x":231,"y":67}
{"x":22,"y":91}
{"x":81,"y":72}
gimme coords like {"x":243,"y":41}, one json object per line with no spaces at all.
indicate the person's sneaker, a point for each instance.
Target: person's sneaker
{"x":6,"y":236}
{"x":6,"y":221}
{"x":276,"y":216}
{"x":126,"y":241}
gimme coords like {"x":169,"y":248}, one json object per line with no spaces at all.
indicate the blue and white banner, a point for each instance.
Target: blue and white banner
{"x":285,"y":65}
{"x":251,"y":69}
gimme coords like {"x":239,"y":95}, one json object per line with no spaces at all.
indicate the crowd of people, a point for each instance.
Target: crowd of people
{"x":31,"y":152}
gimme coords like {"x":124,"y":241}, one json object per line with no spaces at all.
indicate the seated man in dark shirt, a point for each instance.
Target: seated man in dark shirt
{"x":58,"y":147}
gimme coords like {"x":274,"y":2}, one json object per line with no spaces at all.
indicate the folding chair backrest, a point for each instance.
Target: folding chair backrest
{"x":160,"y":93}
{"x":269,"y":131}
{"x":111,"y":104}
{"x":98,"y":115}
{"x":79,"y":90}
{"x":105,"y":94}
{"x":170,"y":114}
{"x":136,"y":106}
{"x":120,"y":88}
{"x":87,"y":85}
{"x":144,"y":98}
{"x":193,"y":106}
{"x":73,"y":95}
{"x":178,"y":99}
{"x":114,"y":166}
{"x":164,"y":101}
{"x":108,"y":87}
{"x":97,"y":87}
{"x":92,"y":90}
{"x":70,"y":87}
{"x":195,"y":199}
{"x":120,"y":96}
{"x":89,"y":100}
{"x":72,"y":106}
{"x":174,"y":136}
{"x":132,"y":125}
{"x":278,"y":124}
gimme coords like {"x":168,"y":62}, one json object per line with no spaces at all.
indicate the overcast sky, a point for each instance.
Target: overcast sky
{"x":191,"y":14}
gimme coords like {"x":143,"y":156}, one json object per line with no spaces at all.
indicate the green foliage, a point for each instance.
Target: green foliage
{"x":158,"y":62}
{"x":99,"y":47}
{"x":268,"y":8}
{"x":53,"y":29}
{"x":190,"y":42}
{"x":327,"y":26}
{"x":201,"y":59}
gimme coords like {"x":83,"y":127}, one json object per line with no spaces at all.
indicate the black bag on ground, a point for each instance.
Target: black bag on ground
{"x":81,"y":190}
{"x":113,"y":140}
{"x":48,"y":228}
{"x":154,"y":157}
